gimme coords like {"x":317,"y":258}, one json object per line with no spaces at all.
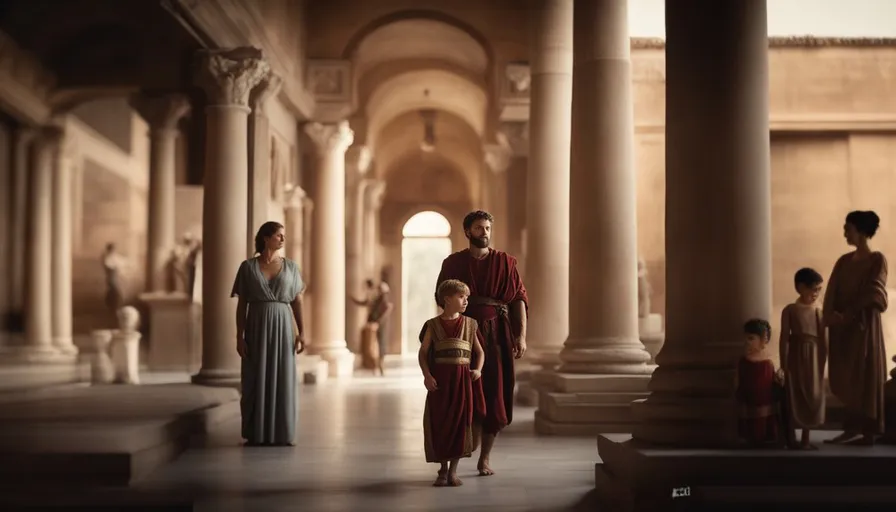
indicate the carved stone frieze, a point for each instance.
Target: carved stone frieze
{"x":330,"y":80}
{"x":229,"y":76}
{"x":161,"y":112}
{"x":330,"y":137}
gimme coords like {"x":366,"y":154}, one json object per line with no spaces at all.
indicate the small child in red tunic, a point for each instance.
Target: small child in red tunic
{"x":449,"y":342}
{"x":757,"y":389}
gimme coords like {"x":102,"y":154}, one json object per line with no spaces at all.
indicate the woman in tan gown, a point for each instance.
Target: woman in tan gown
{"x":855,"y":298}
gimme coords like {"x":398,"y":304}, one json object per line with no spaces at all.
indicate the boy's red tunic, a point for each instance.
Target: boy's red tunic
{"x":452,"y":407}
{"x":494,"y":283}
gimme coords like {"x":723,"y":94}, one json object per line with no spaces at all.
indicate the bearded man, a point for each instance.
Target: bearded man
{"x":498,"y":302}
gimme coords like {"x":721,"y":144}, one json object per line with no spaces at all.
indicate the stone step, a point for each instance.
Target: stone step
{"x":546,"y":426}
{"x":105,"y":435}
{"x":28,"y":376}
{"x":586,"y":408}
{"x":575,"y":383}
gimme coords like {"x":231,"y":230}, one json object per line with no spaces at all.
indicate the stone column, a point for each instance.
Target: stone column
{"x":23,"y":162}
{"x":603,"y":359}
{"x":227,"y":76}
{"x":718,"y":216}
{"x":374,"y":194}
{"x":547,"y":218}
{"x":162,"y":114}
{"x":357,"y":163}
{"x":497,"y":159}
{"x":39,"y":248}
{"x":295,"y":226}
{"x":260,"y":158}
{"x":61,"y":289}
{"x":328,"y":250}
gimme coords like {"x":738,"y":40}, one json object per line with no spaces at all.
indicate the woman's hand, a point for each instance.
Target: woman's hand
{"x":300,"y":343}
{"x":241,"y":347}
{"x":475,"y":374}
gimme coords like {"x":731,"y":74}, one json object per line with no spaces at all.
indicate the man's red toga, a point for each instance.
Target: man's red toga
{"x":494,"y":283}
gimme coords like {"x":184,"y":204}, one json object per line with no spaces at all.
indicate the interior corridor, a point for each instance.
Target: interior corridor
{"x":360,"y":447}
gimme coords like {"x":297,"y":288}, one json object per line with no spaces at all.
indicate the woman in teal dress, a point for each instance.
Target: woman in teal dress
{"x":269,"y":288}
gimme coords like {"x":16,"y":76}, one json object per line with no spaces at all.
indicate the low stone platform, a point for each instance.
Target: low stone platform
{"x":587,"y":405}
{"x":27,"y":376}
{"x":104,"y":435}
{"x":638,"y":477}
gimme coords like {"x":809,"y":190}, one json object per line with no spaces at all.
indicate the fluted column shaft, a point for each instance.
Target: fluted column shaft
{"x":228,"y":76}
{"x":39,"y":248}
{"x":162,"y":114}
{"x":497,"y":160}
{"x":718,"y":215}
{"x":260,"y":163}
{"x":328,"y":249}
{"x":23,"y":160}
{"x":357,"y":164}
{"x":547,"y":221}
{"x":373,"y":200}
{"x":603,"y":290}
{"x":61,"y":288}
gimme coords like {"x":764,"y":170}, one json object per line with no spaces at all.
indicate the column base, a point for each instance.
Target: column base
{"x":217,"y":378}
{"x":44,"y":354}
{"x":537,"y":361}
{"x":65,"y":346}
{"x":312,"y":369}
{"x":585,"y":405}
{"x":340,"y":362}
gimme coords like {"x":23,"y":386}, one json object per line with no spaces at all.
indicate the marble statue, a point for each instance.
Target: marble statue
{"x":650,"y":325}
{"x":113,"y":266}
{"x":644,"y":290}
{"x":183,"y":264}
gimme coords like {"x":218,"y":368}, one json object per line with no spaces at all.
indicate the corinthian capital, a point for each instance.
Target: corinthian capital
{"x":329,"y":138}
{"x":161,"y":112}
{"x":228,"y":76}
{"x":358,"y":159}
{"x":374,"y":194}
{"x":497,"y":157}
{"x":267,"y":89}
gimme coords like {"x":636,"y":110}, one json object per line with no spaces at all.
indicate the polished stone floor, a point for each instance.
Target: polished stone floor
{"x":360,"y":447}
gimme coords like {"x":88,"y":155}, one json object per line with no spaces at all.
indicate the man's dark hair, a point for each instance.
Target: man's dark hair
{"x":759,"y":327}
{"x":477,"y":215}
{"x":807,"y":277}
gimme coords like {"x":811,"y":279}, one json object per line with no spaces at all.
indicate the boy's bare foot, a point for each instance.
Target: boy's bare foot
{"x":453,"y":481}
{"x":441,"y":479}
{"x":484,"y":468}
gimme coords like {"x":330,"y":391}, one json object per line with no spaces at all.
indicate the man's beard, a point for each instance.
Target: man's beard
{"x":479,"y":243}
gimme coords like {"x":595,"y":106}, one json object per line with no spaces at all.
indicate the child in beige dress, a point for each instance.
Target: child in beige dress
{"x":803,"y":356}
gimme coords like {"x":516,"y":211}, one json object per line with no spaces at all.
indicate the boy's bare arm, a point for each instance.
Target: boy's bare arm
{"x":479,"y":352}
{"x":423,"y":353}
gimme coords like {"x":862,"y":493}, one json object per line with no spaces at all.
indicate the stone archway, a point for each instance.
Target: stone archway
{"x":425,"y":243}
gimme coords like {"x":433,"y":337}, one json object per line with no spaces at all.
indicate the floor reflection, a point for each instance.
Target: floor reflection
{"x":360,"y":447}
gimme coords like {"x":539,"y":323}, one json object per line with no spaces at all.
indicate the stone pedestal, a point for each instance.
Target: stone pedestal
{"x":312,"y":369}
{"x":650,"y":330}
{"x":102,"y":369}
{"x":175,"y":332}
{"x":125,"y":354}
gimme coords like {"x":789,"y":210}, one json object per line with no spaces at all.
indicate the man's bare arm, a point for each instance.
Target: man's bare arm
{"x":518,"y":318}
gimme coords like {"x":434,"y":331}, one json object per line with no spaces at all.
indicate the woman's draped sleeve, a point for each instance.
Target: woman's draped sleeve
{"x":241,"y":281}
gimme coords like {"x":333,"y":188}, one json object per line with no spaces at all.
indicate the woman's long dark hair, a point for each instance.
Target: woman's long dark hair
{"x":266,"y":230}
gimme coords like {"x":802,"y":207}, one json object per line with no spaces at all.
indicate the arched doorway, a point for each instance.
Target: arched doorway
{"x":424,"y":245}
